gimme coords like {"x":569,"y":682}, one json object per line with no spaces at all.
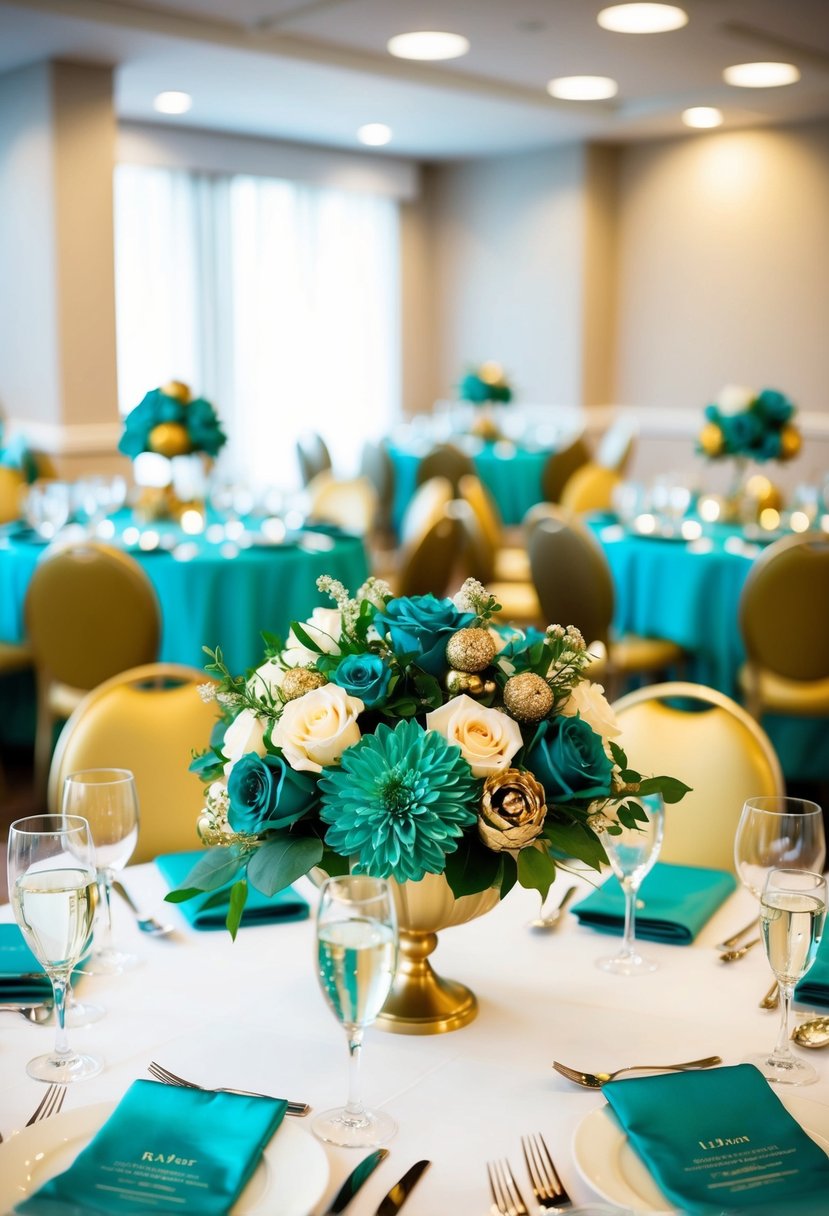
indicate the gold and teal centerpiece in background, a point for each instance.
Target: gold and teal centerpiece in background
{"x":484,"y":387}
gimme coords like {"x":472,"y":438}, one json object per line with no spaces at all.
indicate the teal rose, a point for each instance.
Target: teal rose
{"x":775,"y":405}
{"x":265,"y":792}
{"x":569,"y":760}
{"x":365,"y":676}
{"x":422,"y":625}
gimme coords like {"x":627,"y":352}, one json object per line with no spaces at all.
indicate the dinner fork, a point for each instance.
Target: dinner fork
{"x":550,"y":1193}
{"x":49,"y":1104}
{"x":170,"y":1078}
{"x":506,"y":1197}
{"x":595,"y":1080}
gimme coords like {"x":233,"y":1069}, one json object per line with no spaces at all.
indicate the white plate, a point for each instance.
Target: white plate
{"x":605,"y":1158}
{"x":289,"y":1180}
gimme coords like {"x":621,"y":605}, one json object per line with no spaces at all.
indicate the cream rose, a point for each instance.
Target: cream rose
{"x":315,"y":729}
{"x":735,"y":398}
{"x":246,"y":733}
{"x":267,"y":679}
{"x":488,"y":739}
{"x":588,"y":700}
{"x":325,"y":626}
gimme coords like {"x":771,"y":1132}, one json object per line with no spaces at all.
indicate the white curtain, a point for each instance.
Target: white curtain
{"x":277,"y":301}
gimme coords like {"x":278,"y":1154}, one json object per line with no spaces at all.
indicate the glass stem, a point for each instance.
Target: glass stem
{"x":354,"y":1105}
{"x":782,"y":1050}
{"x":61,"y":1038}
{"x":628,"y":948}
{"x":105,"y":890}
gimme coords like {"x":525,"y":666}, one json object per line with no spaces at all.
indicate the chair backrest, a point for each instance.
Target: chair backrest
{"x":473,"y":491}
{"x":91,"y":611}
{"x":712,"y":744}
{"x":447,"y":461}
{"x":377,"y":465}
{"x":312,"y":455}
{"x":426,"y":506}
{"x":571,"y":576}
{"x":590,"y":489}
{"x":561,"y":466}
{"x":784,"y":608}
{"x":475,"y":545}
{"x":352,"y":504}
{"x":429,"y":564}
{"x":12,"y":490}
{"x":150,"y":720}
{"x":617,"y":445}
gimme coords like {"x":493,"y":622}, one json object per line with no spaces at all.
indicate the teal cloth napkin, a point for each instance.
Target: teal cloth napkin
{"x":259,"y":910}
{"x":813,"y":989}
{"x":721,"y":1141}
{"x":18,"y":984}
{"x":678,"y":901}
{"x":165,"y":1148}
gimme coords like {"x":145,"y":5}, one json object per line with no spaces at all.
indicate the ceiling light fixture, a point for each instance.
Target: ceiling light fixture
{"x":173,"y":103}
{"x":582,"y":88}
{"x":428,"y":44}
{"x":702,"y":117}
{"x":642,"y":18}
{"x":761,"y":75}
{"x":374,"y":134}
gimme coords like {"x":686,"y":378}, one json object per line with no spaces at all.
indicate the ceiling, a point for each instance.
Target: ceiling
{"x":315,"y":70}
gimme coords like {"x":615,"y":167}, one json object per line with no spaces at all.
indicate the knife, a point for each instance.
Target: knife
{"x":354,"y":1181}
{"x":401,"y":1190}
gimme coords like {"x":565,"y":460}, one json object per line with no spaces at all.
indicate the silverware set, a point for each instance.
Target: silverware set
{"x":548,"y":1189}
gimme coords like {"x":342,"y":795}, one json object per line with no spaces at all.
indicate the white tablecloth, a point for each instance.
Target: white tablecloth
{"x":249,"y":1014}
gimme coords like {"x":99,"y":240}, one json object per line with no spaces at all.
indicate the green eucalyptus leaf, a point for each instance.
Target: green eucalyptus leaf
{"x":216,"y":868}
{"x":671,"y":788}
{"x":568,"y":840}
{"x":238,"y":899}
{"x":536,"y":870}
{"x":281,"y":860}
{"x":182,"y":894}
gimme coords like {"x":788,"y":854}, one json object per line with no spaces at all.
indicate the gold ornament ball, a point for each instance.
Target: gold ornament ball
{"x":790,"y":442}
{"x":528,"y":697}
{"x":491,"y":373}
{"x":470,"y":683}
{"x":470,"y":649}
{"x":300,"y":680}
{"x":177,"y":389}
{"x":169,"y":439}
{"x":711,"y":439}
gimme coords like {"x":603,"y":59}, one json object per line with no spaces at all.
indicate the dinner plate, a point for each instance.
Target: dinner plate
{"x":289,"y":1180}
{"x":607,"y":1161}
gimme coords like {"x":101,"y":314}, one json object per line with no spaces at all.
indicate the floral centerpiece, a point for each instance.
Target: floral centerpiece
{"x":407,"y":737}
{"x":171,"y":422}
{"x":485,"y":384}
{"x":756,"y":426}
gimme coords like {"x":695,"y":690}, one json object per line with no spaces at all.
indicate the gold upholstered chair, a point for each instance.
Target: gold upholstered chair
{"x":149,"y":720}
{"x":351,"y":503}
{"x":590,"y":489}
{"x":561,"y":466}
{"x":445,"y":460}
{"x":712,"y":744}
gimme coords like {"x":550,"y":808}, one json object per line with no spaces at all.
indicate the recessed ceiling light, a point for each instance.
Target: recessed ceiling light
{"x":761,"y":75}
{"x":375,"y":134}
{"x":173,"y":103}
{"x":702,"y":117}
{"x":583,"y":88}
{"x":428,"y":44}
{"x":642,"y":18}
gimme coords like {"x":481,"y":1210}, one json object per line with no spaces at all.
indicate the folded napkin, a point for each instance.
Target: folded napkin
{"x":813,"y":989}
{"x":18,"y":982}
{"x":165,"y":1148}
{"x":720,"y":1140}
{"x":678,"y":901}
{"x":259,"y":909}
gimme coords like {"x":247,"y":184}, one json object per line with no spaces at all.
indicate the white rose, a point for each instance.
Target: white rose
{"x":488,"y":739}
{"x":735,"y":398}
{"x":246,"y":733}
{"x":325,"y":626}
{"x":589,"y":701}
{"x":315,"y":729}
{"x":267,"y":679}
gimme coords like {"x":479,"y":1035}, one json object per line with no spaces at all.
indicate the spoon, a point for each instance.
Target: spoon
{"x":814,"y":1033}
{"x":731,"y":956}
{"x":147,"y":924}
{"x":550,"y":922}
{"x":39,"y":1014}
{"x":772,"y":998}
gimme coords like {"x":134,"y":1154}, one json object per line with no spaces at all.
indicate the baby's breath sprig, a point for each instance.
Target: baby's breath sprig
{"x":234,"y":692}
{"x":474,"y":597}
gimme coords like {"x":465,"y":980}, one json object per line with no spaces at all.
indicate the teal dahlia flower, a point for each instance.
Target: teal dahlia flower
{"x":399,"y":802}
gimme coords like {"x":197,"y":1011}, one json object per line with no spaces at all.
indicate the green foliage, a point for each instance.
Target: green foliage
{"x":281,"y":860}
{"x":472,"y":868}
{"x":536,"y":870}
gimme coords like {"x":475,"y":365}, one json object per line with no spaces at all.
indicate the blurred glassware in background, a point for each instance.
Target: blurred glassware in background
{"x":46,"y":507}
{"x":628,"y":499}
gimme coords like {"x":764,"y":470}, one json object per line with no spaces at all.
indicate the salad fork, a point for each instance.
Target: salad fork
{"x":550,"y":1193}
{"x":170,"y":1078}
{"x":506,"y":1197}
{"x":49,"y":1104}
{"x":595,"y":1080}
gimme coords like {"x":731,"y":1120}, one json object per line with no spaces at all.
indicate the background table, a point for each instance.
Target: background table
{"x":250,"y":1014}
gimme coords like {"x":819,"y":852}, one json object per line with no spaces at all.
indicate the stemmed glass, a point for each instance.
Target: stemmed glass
{"x":53,"y":890}
{"x":776,"y":832}
{"x":792,"y":913}
{"x":107,"y":799}
{"x":632,"y":853}
{"x":356,"y":960}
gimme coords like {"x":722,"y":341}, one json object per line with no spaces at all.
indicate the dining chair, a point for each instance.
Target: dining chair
{"x":560,"y":467}
{"x":150,"y":720}
{"x":90,"y":611}
{"x":425,"y":508}
{"x":783,"y":613}
{"x":707,"y":740}
{"x":431,"y":561}
{"x":351,"y":504}
{"x":312,"y":455}
{"x":519,"y":600}
{"x":12,"y":491}
{"x":377,"y":465}
{"x":575,"y":587}
{"x":445,"y":460}
{"x":590,"y":488}
{"x":512,"y":563}
{"x":617,"y":446}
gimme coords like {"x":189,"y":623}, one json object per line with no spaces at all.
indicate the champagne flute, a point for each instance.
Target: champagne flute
{"x":356,"y":960}
{"x":792,"y":913}
{"x":632,"y":853}
{"x":107,"y":799}
{"x":53,"y":891}
{"x":776,"y":832}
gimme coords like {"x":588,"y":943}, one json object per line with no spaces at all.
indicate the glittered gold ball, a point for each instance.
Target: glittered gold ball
{"x":711,"y":439}
{"x":790,"y":442}
{"x":470,"y":649}
{"x":177,"y":389}
{"x":528,"y":697}
{"x":300,"y":680}
{"x":169,"y":439}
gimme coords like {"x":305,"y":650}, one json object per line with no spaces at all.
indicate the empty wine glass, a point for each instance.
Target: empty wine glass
{"x":53,"y":890}
{"x":776,"y":832}
{"x":47,"y":507}
{"x":107,"y":799}
{"x":632,"y":852}
{"x":356,"y":960}
{"x":792,"y":913}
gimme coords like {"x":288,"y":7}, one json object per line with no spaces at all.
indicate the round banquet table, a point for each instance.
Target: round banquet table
{"x":249,"y":1014}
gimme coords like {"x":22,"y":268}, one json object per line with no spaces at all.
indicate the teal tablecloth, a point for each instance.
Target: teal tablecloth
{"x":690,"y":593}
{"x":511,"y":473}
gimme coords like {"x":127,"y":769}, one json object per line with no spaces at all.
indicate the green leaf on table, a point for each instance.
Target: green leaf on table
{"x":281,"y":860}
{"x":536,"y":870}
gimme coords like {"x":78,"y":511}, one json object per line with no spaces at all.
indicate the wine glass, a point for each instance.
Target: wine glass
{"x":776,"y":832}
{"x":792,"y":913}
{"x":53,"y":890}
{"x":107,"y":799}
{"x":356,"y":960}
{"x":632,"y":852}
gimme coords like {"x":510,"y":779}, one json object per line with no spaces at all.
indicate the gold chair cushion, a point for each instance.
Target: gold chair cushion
{"x":633,"y":653}
{"x":14,"y":657}
{"x":779,"y":695}
{"x":512,"y":565}
{"x":518,"y":601}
